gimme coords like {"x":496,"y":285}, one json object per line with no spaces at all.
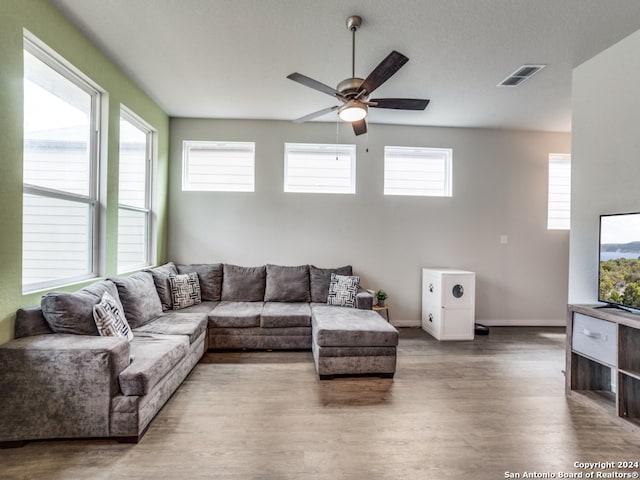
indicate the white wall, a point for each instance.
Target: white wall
{"x":606,"y":155}
{"x":499,"y":188}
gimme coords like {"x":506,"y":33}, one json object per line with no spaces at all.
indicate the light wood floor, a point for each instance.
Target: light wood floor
{"x":454,"y":410}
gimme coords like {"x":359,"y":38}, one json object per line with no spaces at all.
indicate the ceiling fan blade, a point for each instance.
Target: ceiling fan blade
{"x":316,"y":114}
{"x":399,"y":103}
{"x":383,"y":72}
{"x":311,"y":83}
{"x":360,"y":127}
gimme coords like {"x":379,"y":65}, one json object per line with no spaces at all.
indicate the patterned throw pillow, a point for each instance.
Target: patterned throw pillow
{"x":110,"y":318}
{"x":343,"y":290}
{"x":185,"y":290}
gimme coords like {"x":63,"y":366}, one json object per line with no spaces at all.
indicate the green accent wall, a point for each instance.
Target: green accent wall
{"x":50,"y":26}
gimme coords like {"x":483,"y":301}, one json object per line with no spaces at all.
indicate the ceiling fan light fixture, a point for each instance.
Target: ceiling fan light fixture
{"x":352,"y":112}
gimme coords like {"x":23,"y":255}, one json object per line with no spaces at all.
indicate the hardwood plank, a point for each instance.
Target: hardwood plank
{"x":454,"y":410}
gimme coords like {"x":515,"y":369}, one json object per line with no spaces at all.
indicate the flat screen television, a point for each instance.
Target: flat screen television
{"x":619,"y":269}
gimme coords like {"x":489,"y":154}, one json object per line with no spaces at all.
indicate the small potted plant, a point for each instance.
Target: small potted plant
{"x":381,"y":296}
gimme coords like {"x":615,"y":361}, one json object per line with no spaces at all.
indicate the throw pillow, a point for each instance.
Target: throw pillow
{"x":185,"y":290}
{"x":110,"y":318}
{"x":343,"y":290}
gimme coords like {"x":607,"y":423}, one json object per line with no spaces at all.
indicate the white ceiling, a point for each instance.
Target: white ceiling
{"x":229,"y":58}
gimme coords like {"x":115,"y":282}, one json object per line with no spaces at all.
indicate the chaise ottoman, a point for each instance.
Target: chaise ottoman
{"x":349,"y":341}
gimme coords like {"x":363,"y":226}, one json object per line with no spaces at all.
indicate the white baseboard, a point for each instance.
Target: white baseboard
{"x":527,"y":322}
{"x":406,"y":323}
{"x":493,"y":323}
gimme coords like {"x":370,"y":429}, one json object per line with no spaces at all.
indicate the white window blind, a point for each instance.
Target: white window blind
{"x":417,"y":171}
{"x":135,"y":183}
{"x":559,"y":211}
{"x":218,"y":166}
{"x":319,"y":168}
{"x":60,"y":199}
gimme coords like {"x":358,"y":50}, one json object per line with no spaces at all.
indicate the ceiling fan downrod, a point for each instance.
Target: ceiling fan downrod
{"x":353,"y":23}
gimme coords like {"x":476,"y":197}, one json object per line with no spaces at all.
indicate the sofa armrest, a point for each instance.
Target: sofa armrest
{"x":59,"y":386}
{"x":364,"y":300}
{"x":30,"y":321}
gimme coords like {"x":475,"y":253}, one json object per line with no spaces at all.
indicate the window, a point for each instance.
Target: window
{"x":134,"y":209}
{"x":559,"y":212}
{"x":60,"y":201}
{"x":417,"y":171}
{"x":319,"y":168}
{"x":218,"y":166}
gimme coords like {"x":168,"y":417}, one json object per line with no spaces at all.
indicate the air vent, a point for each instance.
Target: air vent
{"x":520,"y":75}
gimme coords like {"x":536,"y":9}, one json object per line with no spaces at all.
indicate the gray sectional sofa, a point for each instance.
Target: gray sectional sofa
{"x":60,"y":379}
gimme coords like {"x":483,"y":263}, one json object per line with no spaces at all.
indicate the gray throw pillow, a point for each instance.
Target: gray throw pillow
{"x":243,"y":284}
{"x":161,"y":280}
{"x":209,"y":276}
{"x":139,"y":298}
{"x":287,"y":284}
{"x":320,"y":279}
{"x":343,"y":290}
{"x":73,"y":312}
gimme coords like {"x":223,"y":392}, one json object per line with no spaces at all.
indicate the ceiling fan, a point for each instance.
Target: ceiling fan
{"x":354,"y":92}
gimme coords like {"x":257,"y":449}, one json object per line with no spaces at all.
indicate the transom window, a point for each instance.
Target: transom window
{"x":60,"y":169}
{"x":319,"y":168}
{"x":559,"y":209}
{"x":417,"y":171}
{"x":218,"y":166}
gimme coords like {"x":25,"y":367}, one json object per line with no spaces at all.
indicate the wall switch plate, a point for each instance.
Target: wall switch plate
{"x":504,"y":239}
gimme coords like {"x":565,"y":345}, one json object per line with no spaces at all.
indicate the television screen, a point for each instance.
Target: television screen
{"x":619,"y":273}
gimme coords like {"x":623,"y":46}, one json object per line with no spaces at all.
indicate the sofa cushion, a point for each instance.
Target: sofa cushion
{"x":351,"y":327}
{"x":73,"y":312}
{"x":287,"y":284}
{"x":185,"y":290}
{"x":139,"y":298}
{"x":210,"y":277}
{"x":204,"y":307}
{"x":236,"y":314}
{"x":285,"y":315}
{"x":161,"y":280}
{"x":154,"y":357}
{"x":320,"y":278}
{"x":243,"y":284}
{"x":177,"y":323}
{"x":343,"y":290}
{"x":110,"y":319}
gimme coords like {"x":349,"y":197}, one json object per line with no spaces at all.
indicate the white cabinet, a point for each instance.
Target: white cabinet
{"x":448,"y":303}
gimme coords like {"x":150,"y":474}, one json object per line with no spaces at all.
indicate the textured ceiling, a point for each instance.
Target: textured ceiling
{"x":229,"y":59}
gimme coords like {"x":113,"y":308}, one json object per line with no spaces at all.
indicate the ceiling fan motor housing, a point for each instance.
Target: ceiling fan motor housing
{"x":349,"y":87}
